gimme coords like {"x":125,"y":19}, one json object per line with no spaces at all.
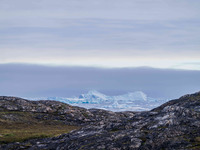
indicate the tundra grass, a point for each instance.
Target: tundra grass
{"x":17,"y":130}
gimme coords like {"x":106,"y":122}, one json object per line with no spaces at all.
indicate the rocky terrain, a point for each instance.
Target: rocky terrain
{"x":173,"y":125}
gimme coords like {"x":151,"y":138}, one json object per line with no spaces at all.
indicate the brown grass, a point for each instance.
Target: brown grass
{"x":18,"y":131}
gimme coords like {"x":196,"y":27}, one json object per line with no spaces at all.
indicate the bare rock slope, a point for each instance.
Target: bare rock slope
{"x":173,"y":125}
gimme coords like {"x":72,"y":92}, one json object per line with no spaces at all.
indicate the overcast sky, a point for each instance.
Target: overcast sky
{"x":77,"y":45}
{"x":101,"y":33}
{"x":37,"y":81}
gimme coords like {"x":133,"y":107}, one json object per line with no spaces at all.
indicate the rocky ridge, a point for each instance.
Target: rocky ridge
{"x":173,"y":125}
{"x":54,"y":110}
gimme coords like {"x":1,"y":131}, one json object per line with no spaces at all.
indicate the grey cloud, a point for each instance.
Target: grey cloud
{"x":33,"y":80}
{"x":106,"y":34}
{"x":129,"y":9}
{"x":40,"y":28}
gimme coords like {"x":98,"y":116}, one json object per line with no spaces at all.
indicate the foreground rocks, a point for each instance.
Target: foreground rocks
{"x":173,"y":125}
{"x":57,"y":111}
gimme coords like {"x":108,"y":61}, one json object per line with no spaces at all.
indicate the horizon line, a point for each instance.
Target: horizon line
{"x":96,"y":66}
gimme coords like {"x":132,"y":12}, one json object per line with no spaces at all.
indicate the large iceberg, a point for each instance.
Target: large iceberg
{"x":134,"y":101}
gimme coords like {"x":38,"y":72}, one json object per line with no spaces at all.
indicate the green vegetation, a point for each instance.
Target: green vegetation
{"x":197,"y":139}
{"x":83,"y":146}
{"x":21,"y":132}
{"x":114,"y":130}
{"x":195,"y":144}
{"x":20,"y":126}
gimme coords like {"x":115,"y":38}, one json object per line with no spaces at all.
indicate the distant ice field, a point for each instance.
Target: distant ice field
{"x":134,"y":101}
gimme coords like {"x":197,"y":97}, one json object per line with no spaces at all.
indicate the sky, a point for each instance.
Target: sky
{"x":103,"y":33}
{"x":109,"y":36}
{"x":42,"y":81}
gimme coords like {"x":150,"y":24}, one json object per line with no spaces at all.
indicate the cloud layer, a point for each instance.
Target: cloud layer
{"x":114,"y":33}
{"x":34,"y":81}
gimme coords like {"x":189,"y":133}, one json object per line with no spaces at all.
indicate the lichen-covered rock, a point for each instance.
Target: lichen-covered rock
{"x":58,"y":111}
{"x":174,"y":125}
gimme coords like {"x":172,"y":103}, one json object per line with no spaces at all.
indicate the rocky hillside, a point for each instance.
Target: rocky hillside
{"x":57,"y":111}
{"x":173,"y":125}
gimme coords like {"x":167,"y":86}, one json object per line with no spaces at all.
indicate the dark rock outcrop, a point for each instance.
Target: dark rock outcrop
{"x":173,"y":125}
{"x":54,"y":110}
